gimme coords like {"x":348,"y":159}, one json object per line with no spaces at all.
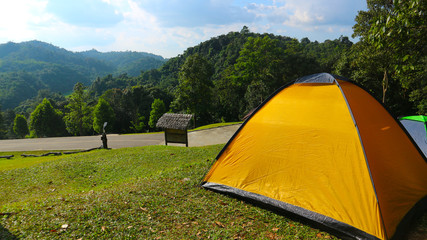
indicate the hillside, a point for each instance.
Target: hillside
{"x":128,"y":62}
{"x":229,"y":97}
{"x":302,"y":57}
{"x":30,"y":66}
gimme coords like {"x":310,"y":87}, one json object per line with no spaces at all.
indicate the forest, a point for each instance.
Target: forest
{"x":219,"y":80}
{"x":26,"y":68}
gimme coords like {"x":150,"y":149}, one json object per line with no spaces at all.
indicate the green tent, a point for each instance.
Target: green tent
{"x":416,"y":127}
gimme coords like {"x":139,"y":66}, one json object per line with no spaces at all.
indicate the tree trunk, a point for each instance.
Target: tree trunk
{"x":385,"y":84}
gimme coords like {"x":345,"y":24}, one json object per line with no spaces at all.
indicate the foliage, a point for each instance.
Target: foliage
{"x":403,"y":31}
{"x":131,"y":95}
{"x":138,"y":103}
{"x":78,"y":118}
{"x":230,"y":100}
{"x":3,"y":131}
{"x":100,"y":85}
{"x":138,"y":126}
{"x":20,"y":126}
{"x":31,"y":66}
{"x":321,"y":57}
{"x":102,"y":113}
{"x":222,"y":79}
{"x":6,"y":124}
{"x":260,"y":60}
{"x":194,"y":92}
{"x":16,"y":87}
{"x":298,"y":59}
{"x":256,"y":93}
{"x":260,"y":69}
{"x":150,"y":77}
{"x":115,"y":99}
{"x":158,"y":108}
{"x":128,"y":62}
{"x":46,"y":121}
{"x":132,"y":105}
{"x":393,"y":32}
{"x":27,"y":107}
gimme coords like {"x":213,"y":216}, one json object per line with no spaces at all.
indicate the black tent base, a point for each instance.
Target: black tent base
{"x":315,"y":220}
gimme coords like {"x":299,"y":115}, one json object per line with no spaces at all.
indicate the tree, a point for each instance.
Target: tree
{"x":78,"y":119}
{"x":20,"y":126}
{"x":194,"y":93}
{"x":102,"y":113}
{"x":256,"y":93}
{"x":261,"y":59}
{"x":396,"y":30}
{"x":230,"y":98}
{"x":138,"y":125}
{"x":8,"y":117}
{"x":259,"y":69}
{"x":116,"y":99}
{"x":138,"y":105}
{"x":366,"y":66}
{"x":46,"y":121}
{"x":26,"y":107}
{"x":3,"y":131}
{"x":403,"y":31}
{"x":157,"y":110}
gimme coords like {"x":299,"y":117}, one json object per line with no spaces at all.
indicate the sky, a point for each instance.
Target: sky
{"x":169,"y":27}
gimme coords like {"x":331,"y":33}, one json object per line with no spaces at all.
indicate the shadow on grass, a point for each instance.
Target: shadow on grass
{"x":6,"y":235}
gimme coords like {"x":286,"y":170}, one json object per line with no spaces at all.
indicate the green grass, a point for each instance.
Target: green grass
{"x":22,"y":162}
{"x":140,"y":133}
{"x":135,"y":193}
{"x":215,"y":125}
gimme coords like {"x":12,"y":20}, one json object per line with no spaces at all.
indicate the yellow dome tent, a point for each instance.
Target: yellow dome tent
{"x":326,"y":150}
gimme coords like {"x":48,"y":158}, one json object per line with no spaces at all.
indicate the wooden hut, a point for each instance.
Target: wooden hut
{"x":175,"y":126}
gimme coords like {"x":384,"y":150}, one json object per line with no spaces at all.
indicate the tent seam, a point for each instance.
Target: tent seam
{"x":366,"y":157}
{"x":389,"y":112}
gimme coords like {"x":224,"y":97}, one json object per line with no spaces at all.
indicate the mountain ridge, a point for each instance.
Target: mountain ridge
{"x":36,"y":65}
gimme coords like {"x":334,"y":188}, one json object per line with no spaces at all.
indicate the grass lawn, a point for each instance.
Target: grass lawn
{"x":134,"y":193}
{"x":214,"y":125}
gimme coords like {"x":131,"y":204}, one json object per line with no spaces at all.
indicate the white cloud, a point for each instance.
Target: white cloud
{"x":142,"y":31}
{"x":169,"y":27}
{"x":86,"y":13}
{"x":18,"y":19}
{"x":310,"y":12}
{"x":195,"y":13}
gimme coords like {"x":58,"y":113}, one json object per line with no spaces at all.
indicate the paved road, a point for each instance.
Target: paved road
{"x":196,"y":138}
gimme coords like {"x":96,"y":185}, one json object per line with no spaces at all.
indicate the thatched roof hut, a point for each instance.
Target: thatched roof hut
{"x":174,"y":121}
{"x":175,"y":126}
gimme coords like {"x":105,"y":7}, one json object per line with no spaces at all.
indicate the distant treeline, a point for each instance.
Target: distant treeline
{"x":226,"y":77}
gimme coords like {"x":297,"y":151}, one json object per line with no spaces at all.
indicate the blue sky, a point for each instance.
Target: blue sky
{"x":167,"y":28}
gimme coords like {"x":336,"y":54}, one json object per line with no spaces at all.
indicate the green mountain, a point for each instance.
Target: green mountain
{"x":128,"y":62}
{"x":26,"y":68}
{"x":301,"y":57}
{"x":232,"y":95}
